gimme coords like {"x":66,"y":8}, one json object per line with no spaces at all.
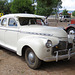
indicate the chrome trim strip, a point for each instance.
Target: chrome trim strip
{"x":9,"y":29}
{"x":43,"y":34}
{"x":34,"y":33}
{"x":3,"y":29}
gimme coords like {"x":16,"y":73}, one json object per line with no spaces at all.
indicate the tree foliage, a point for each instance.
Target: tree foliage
{"x":51,"y":3}
{"x":4,"y":6}
{"x":21,"y":6}
{"x":73,"y":13}
{"x":65,"y":12}
{"x":45,"y":6}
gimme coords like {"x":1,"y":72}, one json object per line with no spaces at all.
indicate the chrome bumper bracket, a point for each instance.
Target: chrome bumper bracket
{"x":69,"y":54}
{"x":57,"y":54}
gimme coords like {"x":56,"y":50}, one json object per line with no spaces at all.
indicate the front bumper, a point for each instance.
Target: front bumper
{"x":60,"y":57}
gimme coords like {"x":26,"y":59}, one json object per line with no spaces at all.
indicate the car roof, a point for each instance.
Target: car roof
{"x":24,"y":15}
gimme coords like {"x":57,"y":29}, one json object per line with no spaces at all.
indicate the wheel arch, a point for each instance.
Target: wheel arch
{"x":24,"y":49}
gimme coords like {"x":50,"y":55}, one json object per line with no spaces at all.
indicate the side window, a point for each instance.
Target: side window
{"x":0,"y":21}
{"x":4,"y":22}
{"x":12,"y":22}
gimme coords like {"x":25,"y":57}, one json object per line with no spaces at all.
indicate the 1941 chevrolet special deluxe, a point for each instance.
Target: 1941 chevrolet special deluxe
{"x":27,"y":35}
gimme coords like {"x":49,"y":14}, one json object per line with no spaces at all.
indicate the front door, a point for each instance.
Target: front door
{"x":11,"y":34}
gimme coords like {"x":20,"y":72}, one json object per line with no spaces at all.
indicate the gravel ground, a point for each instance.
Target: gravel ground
{"x":12,"y":64}
{"x":59,"y":24}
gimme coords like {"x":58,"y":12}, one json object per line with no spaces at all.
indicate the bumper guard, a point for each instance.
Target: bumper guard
{"x":57,"y":54}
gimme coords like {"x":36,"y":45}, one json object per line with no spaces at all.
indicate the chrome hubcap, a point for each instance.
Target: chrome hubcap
{"x":31,"y":58}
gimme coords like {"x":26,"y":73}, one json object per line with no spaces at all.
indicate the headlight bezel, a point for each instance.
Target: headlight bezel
{"x":49,"y":44}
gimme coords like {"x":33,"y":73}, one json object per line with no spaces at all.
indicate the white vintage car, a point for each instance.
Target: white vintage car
{"x":27,"y":35}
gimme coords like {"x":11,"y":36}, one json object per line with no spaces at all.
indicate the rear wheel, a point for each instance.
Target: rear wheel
{"x":31,"y":59}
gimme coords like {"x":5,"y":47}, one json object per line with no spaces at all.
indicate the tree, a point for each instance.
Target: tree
{"x":73,"y":13}
{"x":65,"y":12}
{"x":21,"y":6}
{"x":44,"y":7}
{"x":11,"y":0}
{"x":7,"y":8}
{"x":4,"y":6}
{"x":51,"y":3}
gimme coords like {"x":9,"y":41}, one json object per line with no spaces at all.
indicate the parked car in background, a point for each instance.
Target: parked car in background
{"x":26,"y":35}
{"x":71,"y":32}
{"x":64,"y":18}
{"x":71,"y":27}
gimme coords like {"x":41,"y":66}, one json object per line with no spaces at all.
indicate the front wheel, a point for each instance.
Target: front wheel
{"x":31,"y":59}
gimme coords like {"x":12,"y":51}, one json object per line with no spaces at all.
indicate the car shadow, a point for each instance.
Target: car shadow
{"x":58,"y":66}
{"x":48,"y":66}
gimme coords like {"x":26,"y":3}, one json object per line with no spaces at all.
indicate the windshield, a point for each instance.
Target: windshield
{"x":30,"y":21}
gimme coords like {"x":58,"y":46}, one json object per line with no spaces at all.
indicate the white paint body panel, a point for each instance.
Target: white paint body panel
{"x":34,"y":36}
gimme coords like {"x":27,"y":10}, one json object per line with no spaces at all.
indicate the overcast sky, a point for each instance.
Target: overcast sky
{"x":68,"y":4}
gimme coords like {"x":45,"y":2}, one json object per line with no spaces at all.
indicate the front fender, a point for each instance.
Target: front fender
{"x":32,"y":42}
{"x":37,"y":45}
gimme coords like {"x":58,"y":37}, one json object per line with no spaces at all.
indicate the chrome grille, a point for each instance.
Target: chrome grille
{"x":61,"y":46}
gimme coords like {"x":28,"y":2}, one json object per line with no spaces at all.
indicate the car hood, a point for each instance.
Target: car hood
{"x":44,"y":30}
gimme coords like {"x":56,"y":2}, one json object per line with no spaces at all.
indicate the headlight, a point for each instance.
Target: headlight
{"x":48,"y":44}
